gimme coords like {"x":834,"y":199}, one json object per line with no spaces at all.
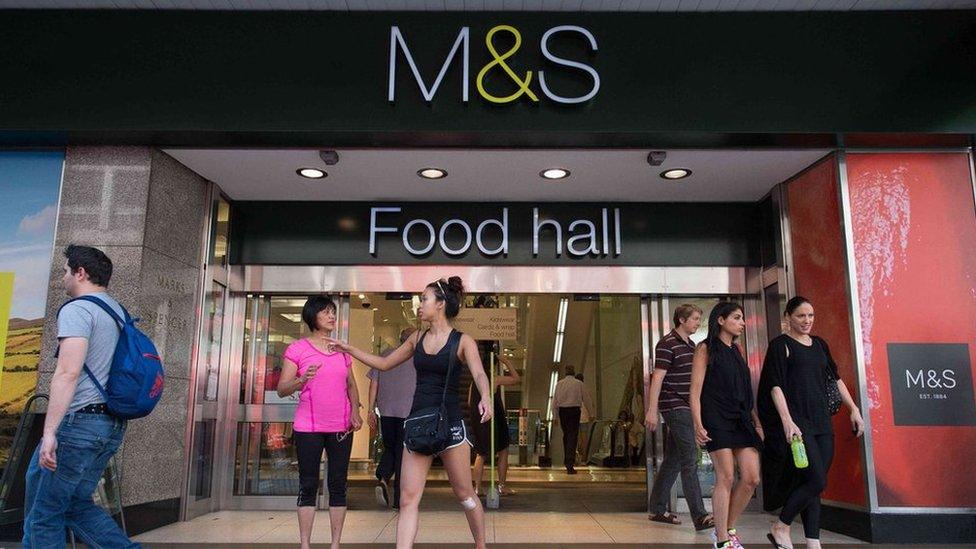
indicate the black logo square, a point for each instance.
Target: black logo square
{"x":931,"y":384}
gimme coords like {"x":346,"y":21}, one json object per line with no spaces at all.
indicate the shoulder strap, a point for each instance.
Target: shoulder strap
{"x":453,"y":342}
{"x":118,"y":320}
{"x":105,"y":307}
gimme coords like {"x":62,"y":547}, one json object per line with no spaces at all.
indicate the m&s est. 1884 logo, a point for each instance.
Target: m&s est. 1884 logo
{"x":499,"y":62}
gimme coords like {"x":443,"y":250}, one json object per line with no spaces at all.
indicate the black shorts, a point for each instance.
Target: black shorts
{"x":459,"y":436}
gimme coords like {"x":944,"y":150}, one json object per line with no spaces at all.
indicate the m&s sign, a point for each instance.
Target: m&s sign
{"x":522,"y":79}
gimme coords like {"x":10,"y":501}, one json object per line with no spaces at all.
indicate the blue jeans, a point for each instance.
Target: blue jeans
{"x":58,"y":499}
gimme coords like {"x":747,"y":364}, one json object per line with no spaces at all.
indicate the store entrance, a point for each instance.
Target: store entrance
{"x":607,"y":339}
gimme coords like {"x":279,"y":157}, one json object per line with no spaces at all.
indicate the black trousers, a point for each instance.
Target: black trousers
{"x":569,"y":417}
{"x":805,"y":499}
{"x":389,"y":466}
{"x":338,"y":448}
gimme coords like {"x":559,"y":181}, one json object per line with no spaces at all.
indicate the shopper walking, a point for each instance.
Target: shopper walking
{"x":799,"y":391}
{"x":725,"y":419}
{"x":569,"y":398}
{"x":435,"y":351}
{"x":326,"y":416}
{"x":482,"y":431}
{"x":80,"y":435}
{"x":670,"y":394}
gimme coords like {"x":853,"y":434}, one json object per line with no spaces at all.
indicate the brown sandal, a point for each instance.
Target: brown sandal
{"x":706,"y":522}
{"x":666,"y":518}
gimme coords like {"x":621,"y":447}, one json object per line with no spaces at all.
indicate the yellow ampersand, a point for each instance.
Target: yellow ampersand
{"x":500,"y":61}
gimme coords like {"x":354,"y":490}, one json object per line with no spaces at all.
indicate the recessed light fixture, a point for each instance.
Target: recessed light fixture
{"x":555,"y":173}
{"x":676,"y":173}
{"x":432,"y":173}
{"x":362,"y":296}
{"x":311,"y":173}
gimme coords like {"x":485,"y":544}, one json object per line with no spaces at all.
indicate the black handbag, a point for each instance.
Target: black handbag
{"x":428,"y":431}
{"x":832,"y":397}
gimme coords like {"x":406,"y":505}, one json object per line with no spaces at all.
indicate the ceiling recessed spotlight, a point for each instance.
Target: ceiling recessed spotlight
{"x":555,"y":173}
{"x":311,"y":173}
{"x":676,"y":173}
{"x":432,"y":173}
{"x":362,"y":296}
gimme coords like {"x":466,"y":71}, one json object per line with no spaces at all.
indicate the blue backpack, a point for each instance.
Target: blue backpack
{"x":135,"y":379}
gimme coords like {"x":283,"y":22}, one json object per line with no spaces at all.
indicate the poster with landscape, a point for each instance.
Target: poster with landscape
{"x":30,"y":183}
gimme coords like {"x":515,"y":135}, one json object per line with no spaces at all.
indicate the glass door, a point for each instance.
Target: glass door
{"x":263,"y":470}
{"x":209,"y":363}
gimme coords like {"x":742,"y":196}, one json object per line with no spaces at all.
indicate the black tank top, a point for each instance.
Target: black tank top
{"x":431,"y":374}
{"x":726,"y":398}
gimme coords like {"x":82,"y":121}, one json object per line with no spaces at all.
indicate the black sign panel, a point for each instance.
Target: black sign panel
{"x":404,"y":233}
{"x":931,"y":384}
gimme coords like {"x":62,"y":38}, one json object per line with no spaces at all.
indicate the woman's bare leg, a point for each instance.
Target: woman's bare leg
{"x":413,"y":471}
{"x":456,"y":462}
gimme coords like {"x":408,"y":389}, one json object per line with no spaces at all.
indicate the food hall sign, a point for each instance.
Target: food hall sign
{"x":522,"y":79}
{"x":578,"y":238}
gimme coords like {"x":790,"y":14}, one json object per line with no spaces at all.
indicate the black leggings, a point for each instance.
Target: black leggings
{"x":338,"y":448}
{"x":805,"y":498}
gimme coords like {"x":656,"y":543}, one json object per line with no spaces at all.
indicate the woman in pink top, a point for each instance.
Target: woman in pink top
{"x":327,"y":414}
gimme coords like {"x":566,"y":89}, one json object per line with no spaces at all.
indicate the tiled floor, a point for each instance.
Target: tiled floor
{"x":446,"y":527}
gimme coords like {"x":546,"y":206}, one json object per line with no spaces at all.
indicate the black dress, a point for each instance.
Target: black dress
{"x":802,"y":374}
{"x":726,"y":401}
{"x":482,"y":431}
{"x":431,"y":376}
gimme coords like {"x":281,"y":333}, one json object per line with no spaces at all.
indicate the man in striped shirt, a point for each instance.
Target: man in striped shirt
{"x":670,"y":386}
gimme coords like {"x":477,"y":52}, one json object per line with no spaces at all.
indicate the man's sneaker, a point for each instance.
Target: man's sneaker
{"x":383,"y":493}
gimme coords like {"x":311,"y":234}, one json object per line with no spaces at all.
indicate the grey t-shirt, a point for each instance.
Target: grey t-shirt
{"x":394,"y":396}
{"x":88,"y":320}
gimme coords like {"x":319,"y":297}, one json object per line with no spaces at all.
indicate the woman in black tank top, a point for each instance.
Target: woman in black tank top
{"x":725,"y":418}
{"x":430,"y":349}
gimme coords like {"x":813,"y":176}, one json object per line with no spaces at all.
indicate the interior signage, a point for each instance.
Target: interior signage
{"x":583,"y":237}
{"x":488,"y":324}
{"x":522,"y":79}
{"x":931,"y":384}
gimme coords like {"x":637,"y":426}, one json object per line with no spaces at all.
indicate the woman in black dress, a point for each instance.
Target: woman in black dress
{"x":726,"y":423}
{"x":792,"y":402}
{"x":430,"y":349}
{"x":482,"y":431}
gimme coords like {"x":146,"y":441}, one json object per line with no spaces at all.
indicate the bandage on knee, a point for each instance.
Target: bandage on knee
{"x":469,"y":503}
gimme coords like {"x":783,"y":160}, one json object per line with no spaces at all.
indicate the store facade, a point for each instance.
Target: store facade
{"x":857,"y":129}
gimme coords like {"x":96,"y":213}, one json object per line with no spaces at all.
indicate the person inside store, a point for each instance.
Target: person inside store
{"x":326,"y":416}
{"x":482,"y":431}
{"x":435,"y":351}
{"x":799,"y":391}
{"x":391,"y":393}
{"x":725,"y":419}
{"x":569,"y":400}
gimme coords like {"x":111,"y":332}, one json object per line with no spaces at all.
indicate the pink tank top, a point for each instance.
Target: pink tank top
{"x":323,"y":404}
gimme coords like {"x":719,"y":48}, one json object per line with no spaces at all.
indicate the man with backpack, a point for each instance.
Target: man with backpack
{"x":81,"y":433}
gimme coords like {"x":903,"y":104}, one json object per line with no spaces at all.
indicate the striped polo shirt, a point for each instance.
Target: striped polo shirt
{"x":674,"y":355}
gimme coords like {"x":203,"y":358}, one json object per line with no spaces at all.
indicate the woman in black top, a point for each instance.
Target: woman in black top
{"x":725,"y":420}
{"x":430,"y":349}
{"x":792,"y":402}
{"x":482,"y":431}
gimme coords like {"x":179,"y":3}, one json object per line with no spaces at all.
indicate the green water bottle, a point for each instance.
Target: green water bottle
{"x":799,"y":452}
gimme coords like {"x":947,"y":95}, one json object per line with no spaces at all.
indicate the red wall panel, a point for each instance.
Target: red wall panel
{"x":819,"y":273}
{"x":914,"y":224}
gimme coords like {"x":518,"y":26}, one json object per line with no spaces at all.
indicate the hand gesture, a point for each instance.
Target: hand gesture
{"x":309,"y":373}
{"x":791,"y":430}
{"x":485,"y":408}
{"x":49,"y":452}
{"x":651,"y":420}
{"x":338,"y":345}
{"x":701,"y":435}
{"x":857,"y":423}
